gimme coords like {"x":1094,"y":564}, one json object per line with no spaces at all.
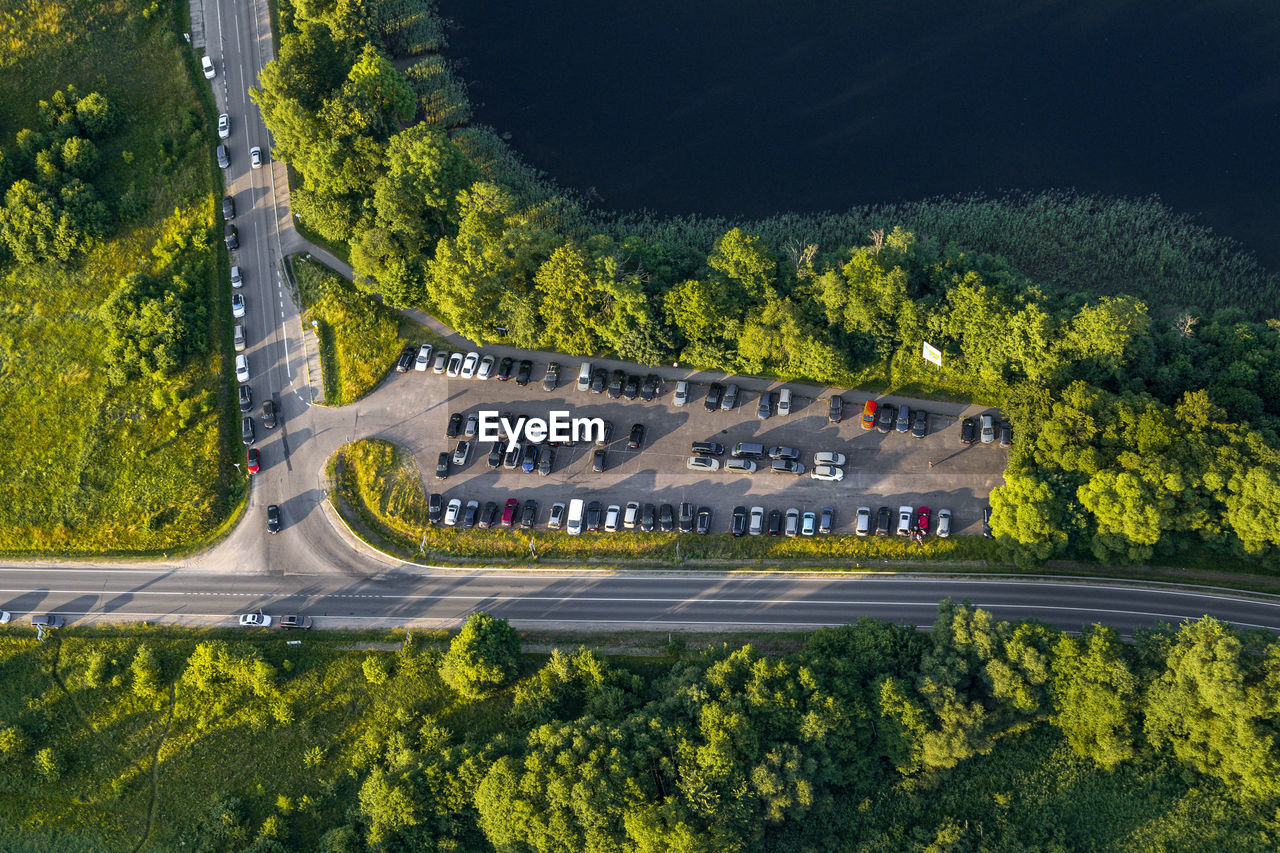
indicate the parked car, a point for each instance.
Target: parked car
{"x":505,"y":368}
{"x":454,"y":428}
{"x":828,"y":473}
{"x":631,"y":515}
{"x":883,"y":519}
{"x":968,"y":431}
{"x":826,"y":519}
{"x":651,"y":387}
{"x":237,"y":305}
{"x":648,"y":517}
{"x":228,"y":210}
{"x":681,"y":396}
{"x":273,"y":518}
{"x":246,"y":429}
{"x":255,"y":620}
{"x":607,"y":435}
{"x":253,"y":460}
{"x":48,"y":620}
{"x":730,"y":397}
{"x":455,"y":365}
{"x":784,"y":402}
{"x":242,"y":368}
{"x":755,"y":521}
{"x":1006,"y":434}
{"x":487,"y":365}
{"x":495,"y":455}
{"x":269,"y":414}
{"x":232,"y":238}
{"x":903,"y":423}
{"x":424,"y":357}
{"x":255,"y":157}
{"x":828,"y":457}
{"x":707,"y":448}
{"x":442,"y":465}
{"x":631,"y":389}
{"x":435,"y":507}
{"x":986,"y":522}
{"x":470,"y":365}
{"x":546,"y":461}
{"x":791,"y":524}
{"x":471,"y":425}
{"x":471,"y":514}
{"x":862,"y":526}
{"x":529,"y":459}
{"x":556,"y":520}
{"x":666,"y":518}
{"x":686,"y":517}
{"x":551,"y":378}
{"x":616,"y":380}
{"x":774,"y":526}
{"x":295,"y":623}
{"x":523,"y":372}
{"x":529,"y":514}
{"x":223,"y":156}
{"x":206,"y":64}
{"x":599,"y":380}
{"x":237,"y":278}
{"x":885,"y":418}
{"x":224,"y":126}
{"x":786,"y":466}
{"x":702,"y":463}
{"x":515,"y":454}
{"x":988,"y":429}
{"x":703,"y":523}
{"x":238,"y":338}
{"x":944,"y":523}
{"x":779,"y":451}
{"x":406,"y":358}
{"x":612,"y":518}
{"x":835,"y":411}
{"x":765,"y":410}
{"x":593,"y":516}
{"x":636,"y":438}
{"x":919,"y":423}
{"x":246,"y":398}
{"x":452,"y":512}
{"x":922,"y":519}
{"x":509,"y":512}
{"x":745,"y":466}
{"x":738,"y":526}
{"x":462,"y":453}
{"x":808,"y":523}
{"x":714,"y":393}
{"x":598,"y":461}
{"x":904,"y":520}
{"x":440,"y":362}
{"x":869,"y":415}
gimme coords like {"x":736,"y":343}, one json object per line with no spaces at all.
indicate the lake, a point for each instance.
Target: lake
{"x":749,"y":108}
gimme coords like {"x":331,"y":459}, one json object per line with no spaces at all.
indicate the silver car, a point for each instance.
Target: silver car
{"x":784,"y":402}
{"x":863,"y":525}
{"x":828,"y":457}
{"x":988,"y":430}
{"x":470,"y":365}
{"x":557,"y":516}
{"x":682,"y":393}
{"x":756,"y":524}
{"x":944,"y":523}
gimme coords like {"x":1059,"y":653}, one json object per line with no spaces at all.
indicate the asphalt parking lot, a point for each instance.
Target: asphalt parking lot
{"x":882,"y":470}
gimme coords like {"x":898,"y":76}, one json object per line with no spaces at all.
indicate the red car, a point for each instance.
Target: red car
{"x":869,"y":415}
{"x":254,"y":458}
{"x":922,"y":519}
{"x":509,"y":511}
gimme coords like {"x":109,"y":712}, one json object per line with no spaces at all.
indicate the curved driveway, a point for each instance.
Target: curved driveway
{"x":314,"y":566}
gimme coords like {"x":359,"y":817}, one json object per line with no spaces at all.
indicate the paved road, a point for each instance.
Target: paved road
{"x":603,"y":601}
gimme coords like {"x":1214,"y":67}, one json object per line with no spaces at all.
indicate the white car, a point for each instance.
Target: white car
{"x":255,"y":620}
{"x":631,"y":516}
{"x":242,"y":368}
{"x":702,"y":463}
{"x":682,"y":393}
{"x":988,"y":431}
{"x":224,"y":126}
{"x":470,"y":364}
{"x":904,"y":521}
{"x":237,"y":305}
{"x":784,"y":402}
{"x":611,"y":516}
{"x":829,"y":473}
{"x":584,"y":376}
{"x":486,"y":367}
{"x":442,"y":359}
{"x":755,"y":526}
{"x":863,"y":525}
{"x":944,"y":523}
{"x":452,"y":511}
{"x":455,"y":365}
{"x":424,"y":358}
{"x":255,"y":157}
{"x":828,"y":457}
{"x":207,"y":64}
{"x":237,"y":280}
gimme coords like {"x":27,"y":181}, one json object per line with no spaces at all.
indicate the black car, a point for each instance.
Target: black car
{"x":489,"y":514}
{"x":730,"y":398}
{"x":781,"y":452}
{"x":599,"y":380}
{"x":505,"y":367}
{"x":686,"y":517}
{"x":546,"y":462}
{"x":632,"y":387}
{"x":637,"y":436}
{"x":246,"y":398}
{"x":407,"y":356}
{"x":228,"y":207}
{"x":919,"y":423}
{"x":273,"y":518}
{"x":472,"y":512}
{"x":739,"y":527}
{"x":512,"y":460}
{"x":593,"y":516}
{"x":232,"y":237}
{"x":986,"y":522}
{"x":615,"y":384}
{"x":647,"y":517}
{"x":246,"y":429}
{"x":775,"y":522}
{"x":598,"y":461}
{"x":608,"y":434}
{"x":704,"y":520}
{"x":666,"y":518}
{"x":442,"y":465}
{"x":826,"y":519}
{"x":552,"y":377}
{"x":295,"y":623}
{"x":454,"y":429}
{"x":529,"y":514}
{"x":885,"y":416}
{"x":1006,"y":434}
{"x":269,"y":414}
{"x":435,"y":507}
{"x":883,"y":519}
{"x":495,"y":455}
{"x":707,"y":448}
{"x":652,"y":387}
{"x":713,"y":397}
{"x":524,"y":372}
{"x":968,"y":431}
{"x":835,"y":412}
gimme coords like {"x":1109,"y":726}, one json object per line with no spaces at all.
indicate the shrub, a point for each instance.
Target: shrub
{"x":482,"y":658}
{"x":48,"y":764}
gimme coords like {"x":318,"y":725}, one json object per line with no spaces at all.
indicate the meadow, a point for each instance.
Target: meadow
{"x":86,"y":467}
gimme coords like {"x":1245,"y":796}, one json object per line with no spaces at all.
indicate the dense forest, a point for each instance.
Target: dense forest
{"x":1137,"y":354}
{"x":982,"y":735}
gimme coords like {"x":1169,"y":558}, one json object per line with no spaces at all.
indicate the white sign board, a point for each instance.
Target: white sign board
{"x":932,"y":353}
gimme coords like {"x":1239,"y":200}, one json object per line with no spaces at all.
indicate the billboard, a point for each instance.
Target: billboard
{"x":932,"y":353}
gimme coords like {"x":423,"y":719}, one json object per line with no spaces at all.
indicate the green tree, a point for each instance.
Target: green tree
{"x":483,"y":657}
{"x":1095,"y":696}
{"x":744,"y":259}
{"x":417,"y":195}
{"x":573,"y":287}
{"x":375,"y":100}
{"x":35,"y":228}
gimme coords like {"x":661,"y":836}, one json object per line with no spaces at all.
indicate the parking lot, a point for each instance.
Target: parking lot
{"x":882,"y":470}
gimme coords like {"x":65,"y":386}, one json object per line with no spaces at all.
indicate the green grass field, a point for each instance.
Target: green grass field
{"x":84,"y":467}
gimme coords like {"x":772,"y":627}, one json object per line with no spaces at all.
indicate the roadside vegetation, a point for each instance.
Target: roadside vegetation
{"x":982,"y":735}
{"x":113,"y":433}
{"x":379,"y":489}
{"x":1136,"y":353}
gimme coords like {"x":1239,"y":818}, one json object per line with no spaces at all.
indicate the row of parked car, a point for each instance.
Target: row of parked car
{"x":746,"y":457}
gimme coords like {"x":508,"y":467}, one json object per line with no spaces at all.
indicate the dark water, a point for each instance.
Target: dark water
{"x":750,"y":108}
